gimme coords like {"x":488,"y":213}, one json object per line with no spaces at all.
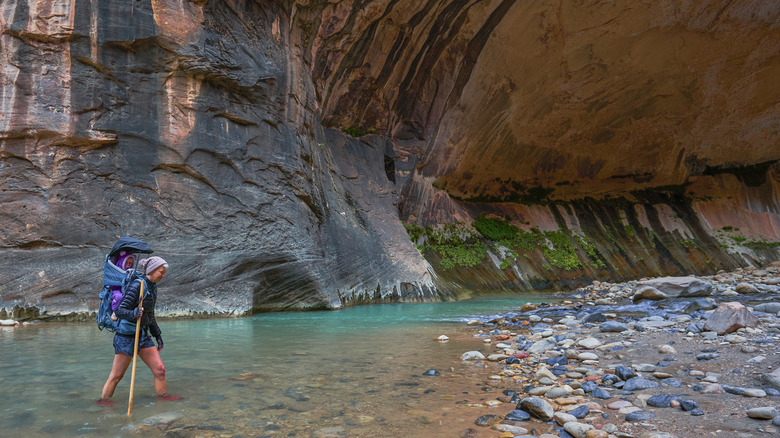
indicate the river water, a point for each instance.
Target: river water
{"x":353,"y":372}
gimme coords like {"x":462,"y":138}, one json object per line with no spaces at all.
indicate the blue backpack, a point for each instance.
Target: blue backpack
{"x":119,"y":270}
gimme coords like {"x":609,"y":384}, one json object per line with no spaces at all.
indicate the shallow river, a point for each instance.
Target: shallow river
{"x":354,"y":372}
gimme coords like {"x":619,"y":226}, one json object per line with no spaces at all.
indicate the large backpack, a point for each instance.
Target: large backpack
{"x":119,"y":270}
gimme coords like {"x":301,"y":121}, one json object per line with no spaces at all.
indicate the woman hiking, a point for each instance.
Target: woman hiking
{"x":154,"y":269}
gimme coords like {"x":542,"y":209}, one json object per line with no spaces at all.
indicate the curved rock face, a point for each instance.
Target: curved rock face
{"x":576,"y":98}
{"x":215,"y":131}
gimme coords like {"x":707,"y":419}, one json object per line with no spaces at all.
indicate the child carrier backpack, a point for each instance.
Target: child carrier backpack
{"x":119,"y":270}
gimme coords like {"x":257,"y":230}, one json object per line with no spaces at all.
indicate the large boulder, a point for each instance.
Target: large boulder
{"x":674,"y":287}
{"x":730,"y":317}
{"x":648,"y":293}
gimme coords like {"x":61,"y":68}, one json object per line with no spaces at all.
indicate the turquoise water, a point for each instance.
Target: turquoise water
{"x":357,"y":371}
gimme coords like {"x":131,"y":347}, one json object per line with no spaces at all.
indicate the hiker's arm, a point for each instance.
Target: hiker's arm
{"x":126,"y":309}
{"x":154,"y":329}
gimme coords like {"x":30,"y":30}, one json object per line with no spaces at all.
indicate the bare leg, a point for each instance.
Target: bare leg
{"x":121,"y":362}
{"x":151,"y":358}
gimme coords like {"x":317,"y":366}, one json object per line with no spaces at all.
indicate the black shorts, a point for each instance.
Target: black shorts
{"x":125,"y":344}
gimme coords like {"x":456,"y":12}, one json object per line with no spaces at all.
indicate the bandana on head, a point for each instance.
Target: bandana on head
{"x":152,"y":263}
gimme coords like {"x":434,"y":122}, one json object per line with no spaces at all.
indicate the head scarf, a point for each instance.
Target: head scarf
{"x":152,"y":263}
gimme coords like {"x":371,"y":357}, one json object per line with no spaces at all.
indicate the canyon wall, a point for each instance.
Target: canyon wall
{"x":273,"y":152}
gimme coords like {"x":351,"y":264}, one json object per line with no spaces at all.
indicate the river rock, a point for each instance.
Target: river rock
{"x":518,"y":415}
{"x":487,"y":420}
{"x":772,"y":379}
{"x":431,"y":373}
{"x":714,"y":388}
{"x":331,"y":432}
{"x":589,"y":343}
{"x":596,"y":434}
{"x":619,"y":404}
{"x":753,"y":392}
{"x":497,"y":357}
{"x":747,"y":289}
{"x":644,"y":367}
{"x":544,"y":372}
{"x":699,"y":304}
{"x":762,"y":413}
{"x":648,"y":293}
{"x":586,"y":355}
{"x":514,"y":430}
{"x":472,"y":355}
{"x":661,"y":400}
{"x":580,"y":412}
{"x":736,"y":390}
{"x":730,"y":317}
{"x":768,"y":307}
{"x":562,"y":418}
{"x":7,"y":322}
{"x":612,"y":327}
{"x":543,"y":345}
{"x":635,"y":383}
{"x":639,"y":416}
{"x":688,"y":405}
{"x":680,"y":287}
{"x":594,"y":318}
{"x":538,"y":408}
{"x":693,"y":328}
{"x":165,"y":418}
{"x":656,"y":434}
{"x":624,"y":373}
{"x":577,"y":430}
{"x":557,"y":392}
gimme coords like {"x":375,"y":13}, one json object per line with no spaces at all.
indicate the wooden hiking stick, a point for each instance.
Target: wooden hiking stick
{"x":135,"y":350}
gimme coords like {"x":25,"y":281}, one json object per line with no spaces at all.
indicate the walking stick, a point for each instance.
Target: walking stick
{"x":135,"y":351}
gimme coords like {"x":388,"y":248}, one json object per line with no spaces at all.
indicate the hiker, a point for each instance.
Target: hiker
{"x":154,"y":269}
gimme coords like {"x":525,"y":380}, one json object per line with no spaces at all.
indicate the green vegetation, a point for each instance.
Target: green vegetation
{"x":356,"y":132}
{"x":585,"y":244}
{"x":727,"y":238}
{"x":688,"y":243}
{"x":456,"y":244}
{"x":761,"y":244}
{"x":415,"y":232}
{"x":459,"y":245}
{"x":562,"y":254}
{"x":495,"y":229}
{"x":738,"y":239}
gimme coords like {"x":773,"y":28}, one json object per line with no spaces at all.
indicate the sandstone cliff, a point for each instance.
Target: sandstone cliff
{"x":273,"y":151}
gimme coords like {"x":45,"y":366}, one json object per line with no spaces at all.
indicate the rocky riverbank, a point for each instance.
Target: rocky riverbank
{"x":653,"y":358}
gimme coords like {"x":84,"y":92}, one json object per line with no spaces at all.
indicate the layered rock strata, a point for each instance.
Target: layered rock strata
{"x":273,"y":151}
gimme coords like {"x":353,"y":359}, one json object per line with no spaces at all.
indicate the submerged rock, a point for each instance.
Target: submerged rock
{"x":472,"y":355}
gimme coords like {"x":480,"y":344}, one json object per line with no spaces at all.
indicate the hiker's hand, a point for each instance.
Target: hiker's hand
{"x":159,"y":342}
{"x":137,"y":312}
